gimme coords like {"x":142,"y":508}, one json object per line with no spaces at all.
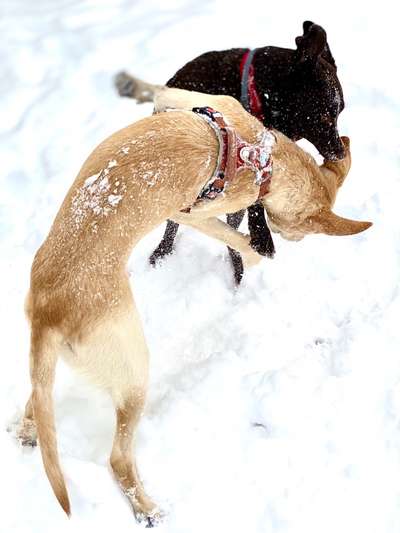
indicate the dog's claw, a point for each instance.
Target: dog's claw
{"x":149,"y":520}
{"x":28,"y":442}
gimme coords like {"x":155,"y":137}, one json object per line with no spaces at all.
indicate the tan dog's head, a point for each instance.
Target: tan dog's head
{"x":305,"y":206}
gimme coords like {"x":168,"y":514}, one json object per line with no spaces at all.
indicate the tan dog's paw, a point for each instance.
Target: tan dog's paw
{"x":152,"y":519}
{"x":26,"y":433}
{"x":251,"y":257}
{"x":145,"y":510}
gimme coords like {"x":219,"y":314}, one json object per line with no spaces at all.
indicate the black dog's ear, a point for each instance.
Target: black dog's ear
{"x":306,"y":26}
{"x":313,"y":44}
{"x":327,"y":55}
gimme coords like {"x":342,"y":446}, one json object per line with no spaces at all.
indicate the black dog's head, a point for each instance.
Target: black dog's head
{"x":310,"y":96}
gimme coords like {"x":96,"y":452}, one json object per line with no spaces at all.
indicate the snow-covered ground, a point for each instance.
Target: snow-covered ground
{"x":274,"y":408}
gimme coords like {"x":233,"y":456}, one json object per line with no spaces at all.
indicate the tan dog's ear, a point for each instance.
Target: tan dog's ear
{"x":330,"y":224}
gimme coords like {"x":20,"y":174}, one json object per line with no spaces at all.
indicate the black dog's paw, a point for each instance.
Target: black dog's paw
{"x":124,"y":84}
{"x":237,"y":264}
{"x":263,"y":245}
{"x":166,"y":246}
{"x":159,"y":253}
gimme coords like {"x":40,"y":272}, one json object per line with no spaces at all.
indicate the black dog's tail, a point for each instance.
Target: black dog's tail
{"x":132,"y":87}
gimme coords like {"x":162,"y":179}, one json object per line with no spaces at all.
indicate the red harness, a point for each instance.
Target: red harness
{"x":250,"y":98}
{"x":236,"y":154}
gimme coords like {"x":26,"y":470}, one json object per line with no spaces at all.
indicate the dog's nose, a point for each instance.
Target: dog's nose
{"x":335,"y":151}
{"x":338,"y":154}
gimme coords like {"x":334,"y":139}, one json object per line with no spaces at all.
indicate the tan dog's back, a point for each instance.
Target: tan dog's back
{"x":131,"y":182}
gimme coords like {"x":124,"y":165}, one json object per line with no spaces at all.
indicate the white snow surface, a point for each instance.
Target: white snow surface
{"x":274,"y":408}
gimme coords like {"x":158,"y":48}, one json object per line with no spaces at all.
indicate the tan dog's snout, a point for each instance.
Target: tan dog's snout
{"x":316,"y":196}
{"x":326,"y":220}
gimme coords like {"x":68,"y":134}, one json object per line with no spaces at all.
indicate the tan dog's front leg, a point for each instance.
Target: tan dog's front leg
{"x":217,"y":229}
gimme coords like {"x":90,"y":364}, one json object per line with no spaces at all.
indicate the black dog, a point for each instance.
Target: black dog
{"x":294,"y":91}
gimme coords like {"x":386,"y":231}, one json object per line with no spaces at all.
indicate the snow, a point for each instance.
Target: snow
{"x":90,"y":180}
{"x":275,"y":407}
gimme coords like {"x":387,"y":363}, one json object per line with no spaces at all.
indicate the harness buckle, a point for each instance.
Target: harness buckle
{"x":235,"y":154}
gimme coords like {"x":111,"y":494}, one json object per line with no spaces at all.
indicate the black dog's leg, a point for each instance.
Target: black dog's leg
{"x":234,"y":220}
{"x":261,"y":238}
{"x":167,"y":243}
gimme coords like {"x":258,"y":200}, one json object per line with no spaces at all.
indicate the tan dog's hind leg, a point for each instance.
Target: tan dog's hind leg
{"x":27,"y":432}
{"x":129,"y":394}
{"x":129,"y":399}
{"x":122,"y":463}
{"x":114,"y":356}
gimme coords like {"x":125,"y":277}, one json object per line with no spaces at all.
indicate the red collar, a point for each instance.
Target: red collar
{"x":250,"y":98}
{"x":235,"y":154}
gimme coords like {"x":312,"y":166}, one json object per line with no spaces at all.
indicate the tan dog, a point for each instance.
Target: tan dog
{"x":80,"y":303}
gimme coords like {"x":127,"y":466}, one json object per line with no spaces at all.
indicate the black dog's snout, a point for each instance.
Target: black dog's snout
{"x":336,"y":152}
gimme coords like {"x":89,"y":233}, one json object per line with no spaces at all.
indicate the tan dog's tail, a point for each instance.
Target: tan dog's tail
{"x":133,"y":87}
{"x":43,"y":361}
